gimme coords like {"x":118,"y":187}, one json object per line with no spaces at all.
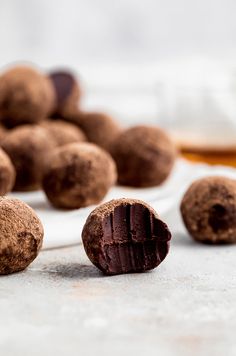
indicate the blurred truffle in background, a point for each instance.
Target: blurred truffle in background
{"x":28,"y":146}
{"x":99,"y":128}
{"x":7,"y":173}
{"x":68,"y":93}
{"x":3,"y":132}
{"x":78,"y":175}
{"x":144,"y":156}
{"x":63,"y":132}
{"x":26,"y":96}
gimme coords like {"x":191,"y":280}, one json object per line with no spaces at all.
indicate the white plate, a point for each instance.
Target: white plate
{"x":64,"y":227}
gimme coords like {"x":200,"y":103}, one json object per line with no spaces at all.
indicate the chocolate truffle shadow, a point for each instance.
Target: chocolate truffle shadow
{"x":73,"y":271}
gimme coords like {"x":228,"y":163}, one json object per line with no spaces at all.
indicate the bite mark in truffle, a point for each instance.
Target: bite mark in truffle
{"x":124,"y":236}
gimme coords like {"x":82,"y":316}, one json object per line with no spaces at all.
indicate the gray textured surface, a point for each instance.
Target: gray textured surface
{"x":63,"y":306}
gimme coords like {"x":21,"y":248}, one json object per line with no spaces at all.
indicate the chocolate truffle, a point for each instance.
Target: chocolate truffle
{"x":208,"y":210}
{"x":124,"y":236}
{"x":67,"y":92}
{"x":28,"y":147}
{"x":63,"y":132}
{"x":7,"y":173}
{"x":3,"y":132}
{"x":99,"y":128}
{"x":21,"y":235}
{"x":26,"y":96}
{"x":78,"y":175}
{"x":144,"y":156}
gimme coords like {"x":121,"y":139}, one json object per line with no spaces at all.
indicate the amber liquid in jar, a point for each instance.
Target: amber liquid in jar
{"x":211,"y":155}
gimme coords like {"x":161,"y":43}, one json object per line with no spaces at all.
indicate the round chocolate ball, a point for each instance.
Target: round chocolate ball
{"x":28,"y":146}
{"x":26,"y":96}
{"x":124,"y":236}
{"x":144,"y":156}
{"x":67,"y":91}
{"x":3,"y":133}
{"x":7,"y":173}
{"x":208,"y":210}
{"x":99,"y":128}
{"x":78,"y":175}
{"x":21,"y":235}
{"x":63,"y":132}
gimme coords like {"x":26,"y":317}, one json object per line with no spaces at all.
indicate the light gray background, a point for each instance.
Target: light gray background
{"x":94,"y":32}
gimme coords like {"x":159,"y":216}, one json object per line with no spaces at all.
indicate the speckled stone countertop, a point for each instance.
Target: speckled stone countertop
{"x":62,"y":305}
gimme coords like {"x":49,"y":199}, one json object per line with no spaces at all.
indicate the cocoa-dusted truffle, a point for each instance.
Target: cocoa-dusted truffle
{"x":28,"y":147}
{"x":208,"y":210}
{"x":124,"y":236}
{"x":99,"y":128}
{"x":7,"y":173}
{"x":63,"y":132}
{"x":144,"y":156}
{"x":78,"y":175}
{"x":68,"y":93}
{"x":26,"y":96}
{"x":21,"y":235}
{"x":3,"y":133}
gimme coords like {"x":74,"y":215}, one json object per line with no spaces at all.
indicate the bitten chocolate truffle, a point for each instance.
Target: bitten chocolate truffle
{"x":208,"y":210}
{"x":144,"y":156}
{"x":28,"y":146}
{"x":26,"y":96}
{"x":63,"y":132}
{"x":7,"y":173}
{"x":78,"y":175}
{"x":21,"y":235}
{"x":68,"y":93}
{"x":99,"y":128}
{"x":124,"y":236}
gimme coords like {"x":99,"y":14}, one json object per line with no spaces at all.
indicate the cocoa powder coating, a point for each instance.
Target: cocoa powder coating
{"x":28,"y":146}
{"x":26,"y":96}
{"x":63,"y":132}
{"x":78,"y":175}
{"x":208,"y":210}
{"x":99,"y":128}
{"x":3,"y":133}
{"x":21,"y":235}
{"x":124,"y":236}
{"x":144,"y":156}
